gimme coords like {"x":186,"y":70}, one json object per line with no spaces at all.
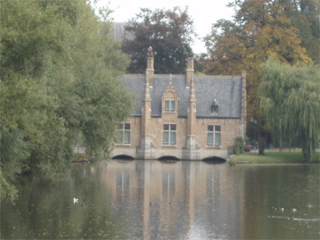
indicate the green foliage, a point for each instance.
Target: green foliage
{"x":60,"y":86}
{"x":306,"y":19}
{"x":239,"y":145}
{"x":259,"y":29}
{"x":232,"y":161}
{"x":81,"y":157}
{"x":291,"y":102}
{"x":169,"y":32}
{"x":8,"y":191}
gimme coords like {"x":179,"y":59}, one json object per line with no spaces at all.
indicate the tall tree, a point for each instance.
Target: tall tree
{"x":291,"y":102}
{"x":60,"y":84}
{"x":304,"y":15}
{"x":306,"y":19}
{"x":260,"y":29}
{"x":169,"y":32}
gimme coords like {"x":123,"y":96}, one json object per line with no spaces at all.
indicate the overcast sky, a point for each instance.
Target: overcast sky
{"x":203,"y":12}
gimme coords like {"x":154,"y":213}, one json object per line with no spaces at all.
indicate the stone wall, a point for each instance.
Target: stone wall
{"x":230,"y":129}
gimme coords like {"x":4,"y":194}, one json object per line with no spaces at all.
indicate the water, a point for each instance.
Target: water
{"x":180,"y":200}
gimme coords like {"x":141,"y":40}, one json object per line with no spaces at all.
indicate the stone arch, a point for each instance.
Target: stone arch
{"x":168,"y":157}
{"x":170,"y":95}
{"x":214,"y":160}
{"x":123,"y":156}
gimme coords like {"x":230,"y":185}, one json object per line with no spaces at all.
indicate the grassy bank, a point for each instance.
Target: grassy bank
{"x":274,"y":157}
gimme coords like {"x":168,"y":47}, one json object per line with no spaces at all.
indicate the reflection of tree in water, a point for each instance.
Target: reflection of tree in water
{"x":48,"y":211}
{"x":96,"y":221}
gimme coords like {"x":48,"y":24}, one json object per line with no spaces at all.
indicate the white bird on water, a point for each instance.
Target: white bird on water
{"x":75,"y":200}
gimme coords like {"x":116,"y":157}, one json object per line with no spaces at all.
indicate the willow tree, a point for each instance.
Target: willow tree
{"x":290,"y":100}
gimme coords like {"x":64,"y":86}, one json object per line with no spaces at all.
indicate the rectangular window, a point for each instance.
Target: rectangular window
{"x":124,"y":133}
{"x":214,"y":135}
{"x":169,"y":134}
{"x":170,"y":105}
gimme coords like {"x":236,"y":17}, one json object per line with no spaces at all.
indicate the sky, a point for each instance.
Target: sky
{"x":203,"y":12}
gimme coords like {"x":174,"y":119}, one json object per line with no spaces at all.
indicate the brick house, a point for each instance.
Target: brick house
{"x":183,"y":116}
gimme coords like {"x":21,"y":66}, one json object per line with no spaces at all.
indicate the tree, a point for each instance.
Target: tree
{"x":60,"y":86}
{"x":306,"y":19}
{"x":290,"y":100}
{"x":30,"y":127}
{"x":169,"y":32}
{"x":260,"y":29}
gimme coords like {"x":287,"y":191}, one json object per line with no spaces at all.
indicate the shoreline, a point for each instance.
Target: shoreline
{"x":276,"y":163}
{"x":285,"y":158}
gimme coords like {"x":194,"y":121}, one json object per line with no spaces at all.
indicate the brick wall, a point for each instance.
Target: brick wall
{"x":230,"y":129}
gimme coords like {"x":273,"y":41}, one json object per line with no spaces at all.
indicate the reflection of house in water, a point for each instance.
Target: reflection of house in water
{"x":175,"y":198}
{"x":183,"y":116}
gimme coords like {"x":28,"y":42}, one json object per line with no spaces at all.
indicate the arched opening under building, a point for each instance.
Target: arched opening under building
{"x":214,"y":160}
{"x":168,"y":159}
{"x":123,"y":157}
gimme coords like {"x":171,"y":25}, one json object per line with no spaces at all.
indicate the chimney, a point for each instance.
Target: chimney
{"x":150,"y":63}
{"x":190,"y":70}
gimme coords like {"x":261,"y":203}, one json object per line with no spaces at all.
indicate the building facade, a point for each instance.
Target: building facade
{"x":187,"y":117}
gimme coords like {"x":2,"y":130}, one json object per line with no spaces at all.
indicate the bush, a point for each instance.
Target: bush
{"x":232,"y":162}
{"x":81,"y":157}
{"x":239,"y":145}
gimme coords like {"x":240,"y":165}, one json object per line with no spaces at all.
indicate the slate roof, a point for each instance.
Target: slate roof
{"x":119,"y":33}
{"x":225,"y":89}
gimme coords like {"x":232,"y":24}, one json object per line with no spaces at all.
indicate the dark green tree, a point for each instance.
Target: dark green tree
{"x":169,"y":32}
{"x":60,"y":70}
{"x":32,"y":132}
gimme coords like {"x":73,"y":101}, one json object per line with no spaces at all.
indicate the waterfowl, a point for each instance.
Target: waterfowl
{"x":82,"y":204}
{"x":294,"y":209}
{"x":75,"y":200}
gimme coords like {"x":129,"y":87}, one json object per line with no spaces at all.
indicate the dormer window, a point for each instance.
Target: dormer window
{"x":215,"y":107}
{"x":170,"y":106}
{"x":170,"y":100}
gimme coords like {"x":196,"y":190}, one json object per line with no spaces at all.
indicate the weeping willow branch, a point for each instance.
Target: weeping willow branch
{"x":290,"y":100}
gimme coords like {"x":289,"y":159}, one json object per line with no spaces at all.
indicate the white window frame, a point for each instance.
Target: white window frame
{"x":172,"y":133}
{"x":171,"y":105}
{"x":213,"y":134}
{"x":122,"y":130}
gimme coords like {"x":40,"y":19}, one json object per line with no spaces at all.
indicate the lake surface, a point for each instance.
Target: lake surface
{"x":179,"y":200}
